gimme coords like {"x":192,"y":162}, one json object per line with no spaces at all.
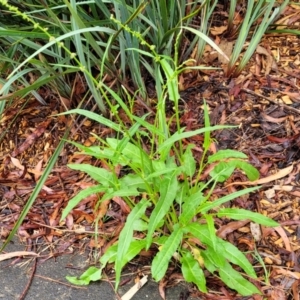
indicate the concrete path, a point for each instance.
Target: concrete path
{"x":49,"y":281}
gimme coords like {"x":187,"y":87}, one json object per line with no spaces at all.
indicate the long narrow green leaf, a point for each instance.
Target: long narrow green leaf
{"x":242,"y":214}
{"x":215,"y":257}
{"x":201,"y":232}
{"x":225,"y":154}
{"x":234,"y":255}
{"x":23,"y":34}
{"x":236,"y":281}
{"x":93,"y":116}
{"x":37,"y":189}
{"x":212,"y":230}
{"x":207,"y":40}
{"x":58,"y":39}
{"x":80,"y":196}
{"x":183,"y":135}
{"x":126,"y":235}
{"x":210,"y":205}
{"x":91,"y":274}
{"x":102,"y":176}
{"x":134,"y":154}
{"x":168,"y":191}
{"x":188,"y":161}
{"x":161,"y":260}
{"x":190,"y":207}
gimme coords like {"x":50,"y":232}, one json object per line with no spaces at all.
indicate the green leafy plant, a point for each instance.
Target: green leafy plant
{"x":169,"y":205}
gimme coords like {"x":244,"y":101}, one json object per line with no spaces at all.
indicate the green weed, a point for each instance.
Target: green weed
{"x":170,"y":206}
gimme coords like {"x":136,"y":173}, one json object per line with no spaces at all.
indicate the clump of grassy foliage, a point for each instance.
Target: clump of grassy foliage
{"x":174,"y":214}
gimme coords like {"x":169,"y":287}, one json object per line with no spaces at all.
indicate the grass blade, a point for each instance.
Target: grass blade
{"x":37,"y":189}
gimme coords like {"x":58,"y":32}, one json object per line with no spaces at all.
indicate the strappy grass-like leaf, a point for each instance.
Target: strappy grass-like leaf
{"x":93,"y":116}
{"x":36,"y":191}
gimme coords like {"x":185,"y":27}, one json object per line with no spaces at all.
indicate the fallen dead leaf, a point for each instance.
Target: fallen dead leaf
{"x":17,"y":254}
{"x":227,"y":47}
{"x":282,"y":173}
{"x":255,"y":230}
{"x":230,"y":227}
{"x":270,"y":62}
{"x":284,"y":237}
{"x":272,"y":119}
